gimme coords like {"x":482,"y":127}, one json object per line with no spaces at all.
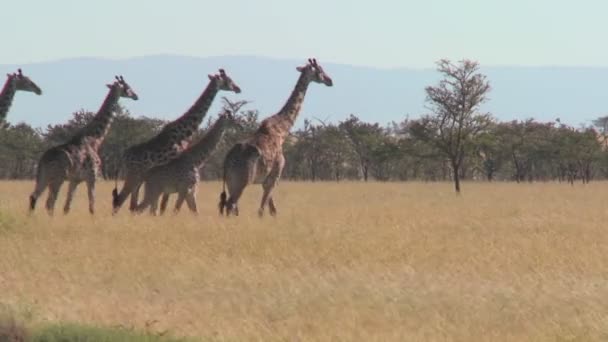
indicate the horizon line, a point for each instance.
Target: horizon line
{"x":285,"y":59}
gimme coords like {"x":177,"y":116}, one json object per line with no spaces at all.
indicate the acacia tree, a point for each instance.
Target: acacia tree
{"x":455,"y":120}
{"x":364,"y":137}
{"x":487,"y":152}
{"x":601,"y":124}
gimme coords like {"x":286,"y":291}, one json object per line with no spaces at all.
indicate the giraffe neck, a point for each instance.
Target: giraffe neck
{"x":96,"y":130}
{"x":202,"y":150}
{"x":6,"y":98}
{"x":188,"y":123}
{"x":287,"y":116}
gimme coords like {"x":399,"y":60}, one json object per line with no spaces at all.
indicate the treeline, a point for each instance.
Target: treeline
{"x":521,"y":151}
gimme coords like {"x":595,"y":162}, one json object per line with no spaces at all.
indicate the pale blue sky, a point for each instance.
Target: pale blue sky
{"x":381,"y":33}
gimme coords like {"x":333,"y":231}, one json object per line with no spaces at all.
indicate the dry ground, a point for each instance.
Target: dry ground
{"x":349,"y":261}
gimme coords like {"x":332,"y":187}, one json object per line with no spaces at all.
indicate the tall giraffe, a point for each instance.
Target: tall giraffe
{"x":15,"y":82}
{"x":262,"y":154}
{"x":181,"y":175}
{"x":78,"y":159}
{"x":169,"y":143}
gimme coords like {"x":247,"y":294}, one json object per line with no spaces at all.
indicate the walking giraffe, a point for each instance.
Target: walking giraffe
{"x":181,"y":175}
{"x":169,"y":143}
{"x":262,"y":154}
{"x":78,"y":159}
{"x":16,"y":81}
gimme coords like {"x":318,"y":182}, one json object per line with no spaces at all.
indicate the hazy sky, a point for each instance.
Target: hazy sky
{"x":381,"y":33}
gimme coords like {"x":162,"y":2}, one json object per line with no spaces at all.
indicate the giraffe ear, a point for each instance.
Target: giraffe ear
{"x":211,"y":77}
{"x":109,"y":86}
{"x":300,"y":69}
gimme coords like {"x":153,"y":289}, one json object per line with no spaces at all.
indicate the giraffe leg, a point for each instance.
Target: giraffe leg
{"x":154,"y":205}
{"x":146,"y":202}
{"x":240,"y":168}
{"x":41,"y":184}
{"x":236,"y":182}
{"x":91,"y":194}
{"x":54,"y":188}
{"x":163,"y":203}
{"x":70,"y":196}
{"x":269,"y":183}
{"x":181,"y":196}
{"x":191,"y":202}
{"x":265,"y":195}
{"x":271,"y":208}
{"x":134,"y":197}
{"x":118,"y":199}
{"x":142,"y":206}
{"x":232,"y":204}
{"x":150,"y":201}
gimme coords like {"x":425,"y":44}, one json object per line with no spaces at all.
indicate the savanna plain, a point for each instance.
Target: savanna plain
{"x":341,"y":262}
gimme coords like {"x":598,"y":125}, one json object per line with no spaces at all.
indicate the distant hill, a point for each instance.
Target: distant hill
{"x":167,"y":86}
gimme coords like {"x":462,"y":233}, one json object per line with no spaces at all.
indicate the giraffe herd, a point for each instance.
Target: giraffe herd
{"x":170,"y":161}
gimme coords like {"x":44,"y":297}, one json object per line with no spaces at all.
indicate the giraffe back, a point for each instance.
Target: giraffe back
{"x":176,"y":176}
{"x":269,"y":139}
{"x":70,"y":161}
{"x":151,"y":153}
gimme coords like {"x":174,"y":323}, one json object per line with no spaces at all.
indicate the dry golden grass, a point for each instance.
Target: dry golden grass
{"x":350,"y":261}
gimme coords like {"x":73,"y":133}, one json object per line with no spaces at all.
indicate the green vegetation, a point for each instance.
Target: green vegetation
{"x":11,"y":331}
{"x":80,"y":333}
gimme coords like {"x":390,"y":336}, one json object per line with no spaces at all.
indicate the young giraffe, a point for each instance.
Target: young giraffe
{"x":15,"y":82}
{"x":78,"y":160}
{"x":181,"y":175}
{"x":263,"y":153}
{"x":169,"y":143}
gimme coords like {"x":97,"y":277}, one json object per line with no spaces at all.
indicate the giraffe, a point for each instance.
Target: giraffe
{"x":169,"y":143}
{"x":78,"y":160}
{"x":181,"y":175}
{"x":262,"y":154}
{"x":15,"y":82}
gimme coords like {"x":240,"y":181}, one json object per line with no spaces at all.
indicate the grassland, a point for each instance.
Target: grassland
{"x":349,"y":261}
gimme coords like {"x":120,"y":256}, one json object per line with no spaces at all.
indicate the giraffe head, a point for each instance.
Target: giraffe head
{"x":24,"y":83}
{"x":224,"y":82}
{"x":315,"y":73}
{"x":228,"y":116}
{"x":124,"y":89}
{"x":232,"y":119}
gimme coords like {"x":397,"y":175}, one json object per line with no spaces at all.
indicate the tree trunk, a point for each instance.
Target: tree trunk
{"x":587,"y":172}
{"x":313,"y":169}
{"x":455,"y":169}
